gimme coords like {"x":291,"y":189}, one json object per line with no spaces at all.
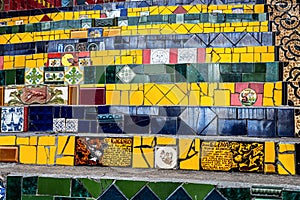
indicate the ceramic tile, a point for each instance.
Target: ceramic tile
{"x":59,"y":125}
{"x":187,"y":55}
{"x":74,"y":75}
{"x":54,"y":62}
{"x":34,"y":76}
{"x":72,"y":125}
{"x":84,"y":62}
{"x":160,"y":56}
{"x":69,"y":48}
{"x":8,"y":154}
{"x":166,"y":157}
{"x":12,"y":119}
{"x":126,"y":74}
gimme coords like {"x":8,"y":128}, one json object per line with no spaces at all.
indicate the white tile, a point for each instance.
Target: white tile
{"x":160,"y":56}
{"x":59,"y":125}
{"x":166,"y":157}
{"x":72,"y":125}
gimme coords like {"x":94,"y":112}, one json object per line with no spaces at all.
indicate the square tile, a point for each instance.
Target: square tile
{"x":69,"y":48}
{"x":92,"y":96}
{"x":165,"y":157}
{"x":188,"y":55}
{"x":59,"y":125}
{"x":54,"y":62}
{"x":12,"y":119}
{"x":84,"y":62}
{"x":95,"y":32}
{"x":34,"y":76}
{"x":72,"y":125}
{"x":126,"y":74}
{"x":74,"y":75}
{"x":160,"y":56}
{"x":80,"y":46}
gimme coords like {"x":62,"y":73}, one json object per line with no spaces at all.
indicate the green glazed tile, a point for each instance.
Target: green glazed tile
{"x":78,"y":190}
{"x":14,"y":29}
{"x":180,"y":71}
{"x":96,"y":188}
{"x":236,"y":193}
{"x":198,"y":191}
{"x":260,"y":68}
{"x":100,"y":74}
{"x":20,"y":76}
{"x":10,"y":77}
{"x":29,"y":185}
{"x":163,"y":190}
{"x":253,"y":77}
{"x":290,"y":195}
{"x":110,"y":75}
{"x":25,"y":197}
{"x":129,"y":188}
{"x":29,"y":28}
{"x":154,"y":69}
{"x":54,"y":186}
{"x":68,"y":198}
{"x":14,"y":188}
{"x":2,"y":77}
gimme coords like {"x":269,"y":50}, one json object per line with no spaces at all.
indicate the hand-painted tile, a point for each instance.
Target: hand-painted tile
{"x":187,"y":55}
{"x":12,"y":119}
{"x":74,"y":75}
{"x":34,"y":76}
{"x":160,"y":56}
{"x":72,"y":125}
{"x":165,"y":157}
{"x":59,"y":125}
{"x":126,"y":74}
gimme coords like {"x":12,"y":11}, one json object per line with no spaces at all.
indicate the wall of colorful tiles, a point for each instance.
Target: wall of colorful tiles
{"x":187,"y":85}
{"x":49,"y":188}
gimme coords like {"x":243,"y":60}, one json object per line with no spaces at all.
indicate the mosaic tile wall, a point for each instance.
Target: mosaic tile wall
{"x":49,"y":188}
{"x":152,"y":84}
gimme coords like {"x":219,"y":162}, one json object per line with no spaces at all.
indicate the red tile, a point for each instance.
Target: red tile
{"x":259,"y":101}
{"x":54,"y":55}
{"x":173,"y":56}
{"x":257,"y":87}
{"x":84,"y":54}
{"x":201,"y":55}
{"x":240,"y":87}
{"x":25,"y":129}
{"x":92,"y":96}
{"x":180,"y":10}
{"x":235,"y":100}
{"x":146,"y":56}
{"x":1,"y":62}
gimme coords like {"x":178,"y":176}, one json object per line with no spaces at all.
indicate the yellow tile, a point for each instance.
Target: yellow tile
{"x":288,"y":161}
{"x":194,"y":98}
{"x":33,"y":140}
{"x":28,"y":154}
{"x":166,"y":141}
{"x":114,"y":52}
{"x":268,"y":101}
{"x":225,"y":57}
{"x":203,"y":88}
{"x":79,"y":34}
{"x":257,"y":57}
{"x":268,"y":89}
{"x":206,"y":101}
{"x":8,"y":65}
{"x":247,"y":57}
{"x":30,"y":64}
{"x":123,"y":86}
{"x":68,"y":15}
{"x":110,"y":87}
{"x":277,"y":97}
{"x":269,"y":168}
{"x":228,"y":86}
{"x":189,"y":153}
{"x":196,"y":29}
{"x":51,"y":158}
{"x":221,"y":98}
{"x":271,"y":49}
{"x":66,"y":160}
{"x":38,"y":56}
{"x":126,"y":60}
{"x":42,"y":155}
{"x":7,"y":140}
{"x":124,"y":98}
{"x":108,"y":60}
{"x":270,"y":152}
{"x":261,"y":49}
{"x":20,"y":61}
{"x":113,"y":97}
{"x":240,"y":50}
{"x":22,"y":140}
{"x":211,"y":88}
{"x":46,"y":140}
{"x":61,"y":144}
{"x":278,"y":85}
{"x":136,"y":98}
{"x":143,"y":157}
{"x":286,"y":147}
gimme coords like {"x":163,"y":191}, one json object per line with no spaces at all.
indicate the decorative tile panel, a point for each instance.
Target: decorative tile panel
{"x":12,"y":119}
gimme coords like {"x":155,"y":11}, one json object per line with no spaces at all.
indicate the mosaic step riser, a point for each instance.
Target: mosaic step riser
{"x":118,"y":20}
{"x":152,"y":29}
{"x":153,"y":152}
{"x":141,"y":42}
{"x":194,"y":94}
{"x":27,"y":187}
{"x":160,"y":7}
{"x":252,"y":54}
{"x":178,"y":73}
{"x":211,"y":121}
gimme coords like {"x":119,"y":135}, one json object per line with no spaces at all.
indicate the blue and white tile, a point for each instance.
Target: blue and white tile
{"x":72,"y":125}
{"x":12,"y":119}
{"x":59,"y":125}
